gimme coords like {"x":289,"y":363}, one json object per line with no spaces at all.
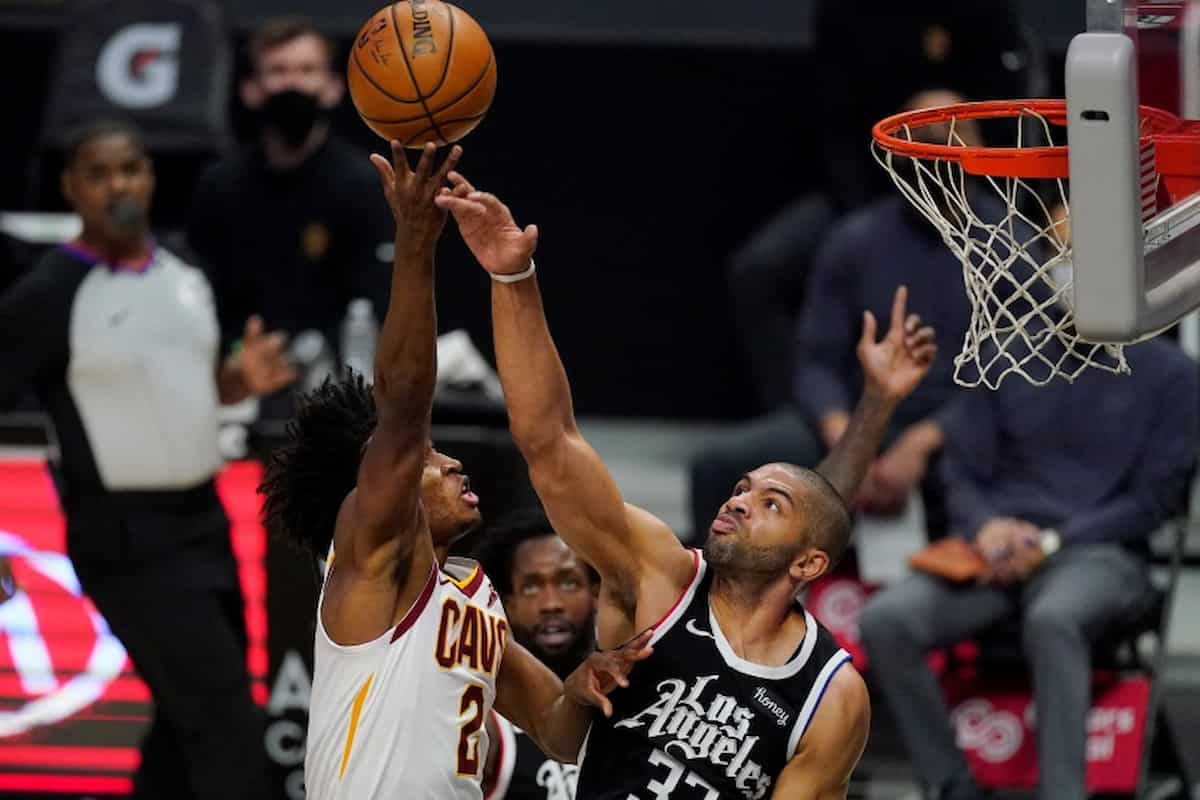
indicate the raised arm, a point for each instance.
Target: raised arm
{"x":892,"y":368}
{"x":386,"y":500}
{"x":579,"y":494}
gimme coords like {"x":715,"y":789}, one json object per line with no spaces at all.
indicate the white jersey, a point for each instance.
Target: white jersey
{"x":402,"y":716}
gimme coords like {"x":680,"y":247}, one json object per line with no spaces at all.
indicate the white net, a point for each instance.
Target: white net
{"x":1012,"y":237}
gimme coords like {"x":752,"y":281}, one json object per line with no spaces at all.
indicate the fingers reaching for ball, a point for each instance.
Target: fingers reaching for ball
{"x":462,"y":186}
{"x":487,"y":226}
{"x":411,"y":192}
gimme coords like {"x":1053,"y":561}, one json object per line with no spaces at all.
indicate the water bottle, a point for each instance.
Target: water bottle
{"x":360,"y":333}
{"x":313,"y":358}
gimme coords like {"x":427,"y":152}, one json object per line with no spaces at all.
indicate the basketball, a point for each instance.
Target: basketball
{"x":421,"y":71}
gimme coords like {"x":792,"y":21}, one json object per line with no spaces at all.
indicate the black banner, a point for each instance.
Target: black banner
{"x":696,"y":22}
{"x":165,"y":64}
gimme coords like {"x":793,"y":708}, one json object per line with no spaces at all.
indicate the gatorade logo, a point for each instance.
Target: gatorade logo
{"x":138,"y":67}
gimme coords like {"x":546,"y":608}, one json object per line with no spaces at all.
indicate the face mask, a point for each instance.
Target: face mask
{"x":292,"y":114}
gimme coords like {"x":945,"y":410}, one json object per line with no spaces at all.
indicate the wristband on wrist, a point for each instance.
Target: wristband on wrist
{"x":514,"y":277}
{"x":1050,"y":542}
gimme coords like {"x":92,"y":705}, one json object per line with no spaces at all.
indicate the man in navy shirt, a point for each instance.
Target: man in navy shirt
{"x":1059,"y":486}
{"x":291,"y":226}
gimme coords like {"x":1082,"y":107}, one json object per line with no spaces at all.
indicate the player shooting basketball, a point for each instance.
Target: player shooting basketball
{"x":746,"y":694}
{"x":411,"y":648}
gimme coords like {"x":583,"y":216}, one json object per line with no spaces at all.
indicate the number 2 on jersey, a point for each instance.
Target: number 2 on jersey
{"x":468,"y":731}
{"x":665,"y":789}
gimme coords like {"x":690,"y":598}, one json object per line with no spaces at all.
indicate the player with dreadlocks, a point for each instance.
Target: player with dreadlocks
{"x":412,"y":648}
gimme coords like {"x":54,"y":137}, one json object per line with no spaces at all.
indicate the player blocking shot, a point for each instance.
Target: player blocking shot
{"x":746,"y":695}
{"x":412,"y":648}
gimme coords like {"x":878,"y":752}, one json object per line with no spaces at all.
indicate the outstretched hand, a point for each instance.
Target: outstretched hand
{"x":604,"y":671}
{"x":896,"y":364}
{"x":410,"y":193}
{"x":263,"y":360}
{"x":488,"y":228}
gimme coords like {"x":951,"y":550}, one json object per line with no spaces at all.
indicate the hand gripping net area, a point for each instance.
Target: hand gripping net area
{"x":1012,"y":237}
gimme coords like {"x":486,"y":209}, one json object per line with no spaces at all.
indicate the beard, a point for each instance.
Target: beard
{"x":731,"y":555}
{"x":561,"y":662}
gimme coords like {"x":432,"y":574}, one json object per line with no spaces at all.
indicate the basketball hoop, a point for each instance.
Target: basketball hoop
{"x":1004,"y":212}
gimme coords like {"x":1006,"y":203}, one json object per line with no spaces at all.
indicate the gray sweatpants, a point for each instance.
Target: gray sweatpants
{"x":1064,"y":607}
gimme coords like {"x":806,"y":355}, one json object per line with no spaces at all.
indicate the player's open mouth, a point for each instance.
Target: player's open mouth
{"x":469,"y":497}
{"x":553,"y":634}
{"x":724,"y":523}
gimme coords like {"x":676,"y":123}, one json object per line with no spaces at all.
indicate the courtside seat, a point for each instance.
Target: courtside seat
{"x":1135,"y":645}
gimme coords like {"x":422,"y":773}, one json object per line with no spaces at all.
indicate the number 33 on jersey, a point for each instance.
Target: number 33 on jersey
{"x":402,"y":716}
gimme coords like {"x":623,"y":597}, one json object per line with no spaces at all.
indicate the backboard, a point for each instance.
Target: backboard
{"x":1133,"y":278}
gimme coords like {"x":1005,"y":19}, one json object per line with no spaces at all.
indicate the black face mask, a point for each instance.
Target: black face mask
{"x":126,"y":215}
{"x":292,"y":114}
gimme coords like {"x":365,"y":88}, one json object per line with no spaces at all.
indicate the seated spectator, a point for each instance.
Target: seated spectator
{"x":1059,"y":487}
{"x":865,"y":257}
{"x":549,"y":595}
{"x":292,"y":226}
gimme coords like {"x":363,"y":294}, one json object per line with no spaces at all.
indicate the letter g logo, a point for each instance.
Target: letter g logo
{"x":139,"y":66}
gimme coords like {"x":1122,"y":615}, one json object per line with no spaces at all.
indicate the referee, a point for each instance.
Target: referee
{"x":120,"y":340}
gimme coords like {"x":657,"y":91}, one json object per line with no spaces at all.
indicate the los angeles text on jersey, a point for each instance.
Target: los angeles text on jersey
{"x":470,"y":637}
{"x":691,"y":726}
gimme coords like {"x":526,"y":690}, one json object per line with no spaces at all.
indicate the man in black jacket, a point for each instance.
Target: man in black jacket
{"x":291,"y":226}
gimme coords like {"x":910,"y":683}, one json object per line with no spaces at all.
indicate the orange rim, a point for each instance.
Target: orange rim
{"x":1012,"y":162}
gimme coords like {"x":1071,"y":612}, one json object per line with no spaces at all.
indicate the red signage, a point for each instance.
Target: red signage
{"x":994,"y":715}
{"x":72,"y":710}
{"x":996,"y":723}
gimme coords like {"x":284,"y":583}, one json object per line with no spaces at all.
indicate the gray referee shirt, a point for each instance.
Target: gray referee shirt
{"x":124,"y":360}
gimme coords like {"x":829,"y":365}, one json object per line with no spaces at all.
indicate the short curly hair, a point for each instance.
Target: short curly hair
{"x":498,"y":547}
{"x":76,"y":138}
{"x":309,"y":476}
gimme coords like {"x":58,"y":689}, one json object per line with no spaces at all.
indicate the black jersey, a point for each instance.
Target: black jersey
{"x":293,"y":246}
{"x":699,"y":723}
{"x":524,"y":772}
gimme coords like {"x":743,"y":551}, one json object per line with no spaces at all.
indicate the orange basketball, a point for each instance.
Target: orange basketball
{"x":421,"y":71}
